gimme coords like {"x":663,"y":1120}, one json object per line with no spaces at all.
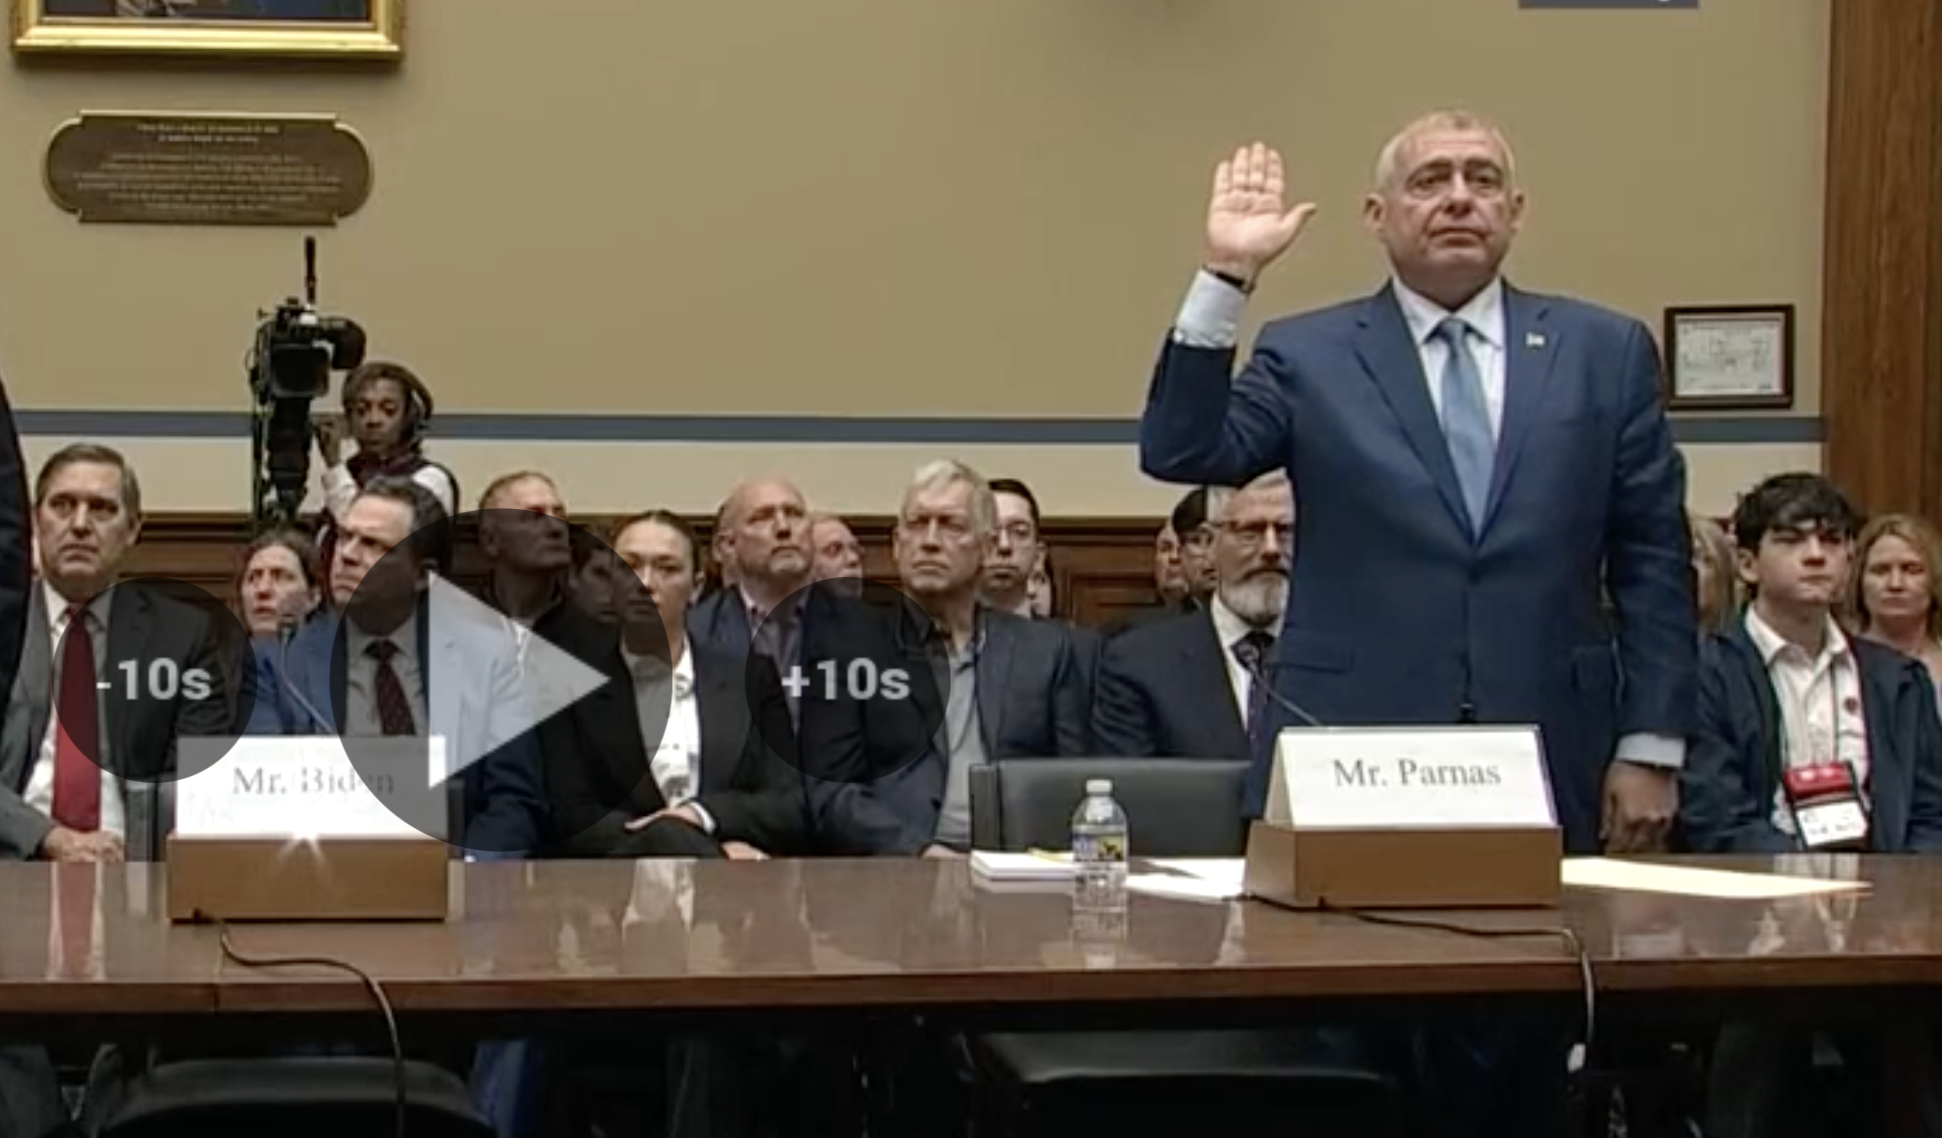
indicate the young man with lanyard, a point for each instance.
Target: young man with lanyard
{"x":1807,"y":740}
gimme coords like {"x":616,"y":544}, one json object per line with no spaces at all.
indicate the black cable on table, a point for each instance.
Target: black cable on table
{"x":370,"y":982}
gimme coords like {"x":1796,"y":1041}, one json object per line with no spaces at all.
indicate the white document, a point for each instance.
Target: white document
{"x":996,"y":866}
{"x":1382,"y":778}
{"x":1184,"y":888}
{"x":276,"y":786}
{"x":1691,"y":881}
{"x":1225,"y":871}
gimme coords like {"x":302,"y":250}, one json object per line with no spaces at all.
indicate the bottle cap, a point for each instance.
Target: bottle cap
{"x":1099,"y":786}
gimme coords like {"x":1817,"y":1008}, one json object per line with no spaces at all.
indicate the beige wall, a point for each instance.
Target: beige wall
{"x":980,"y":207}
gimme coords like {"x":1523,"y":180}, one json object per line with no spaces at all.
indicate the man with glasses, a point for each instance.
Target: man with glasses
{"x":1000,"y":686}
{"x":1193,"y":687}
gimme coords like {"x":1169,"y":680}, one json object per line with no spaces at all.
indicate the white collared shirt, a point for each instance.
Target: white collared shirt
{"x":1230,"y":630}
{"x":1819,"y":699}
{"x":1484,"y":313}
{"x":361,"y":677}
{"x":40,"y":784}
{"x":674,"y":759}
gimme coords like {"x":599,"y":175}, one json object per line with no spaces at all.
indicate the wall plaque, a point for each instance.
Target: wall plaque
{"x":208,"y":169}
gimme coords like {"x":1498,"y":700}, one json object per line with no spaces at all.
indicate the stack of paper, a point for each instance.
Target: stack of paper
{"x":994,"y":866}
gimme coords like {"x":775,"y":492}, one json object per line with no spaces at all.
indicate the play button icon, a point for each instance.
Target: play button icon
{"x":504,"y":714}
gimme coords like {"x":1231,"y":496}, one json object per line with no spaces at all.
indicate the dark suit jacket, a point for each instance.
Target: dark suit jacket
{"x":1163,"y":693}
{"x":880,"y":772}
{"x":1734,"y":762}
{"x":300,"y":686}
{"x":138,"y":736}
{"x":720,"y":621}
{"x":16,"y":575}
{"x":1399,"y":612}
{"x":598,"y":773}
{"x":1155,"y":614}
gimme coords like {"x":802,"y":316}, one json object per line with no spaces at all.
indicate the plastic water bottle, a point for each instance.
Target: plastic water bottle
{"x":1099,"y":839}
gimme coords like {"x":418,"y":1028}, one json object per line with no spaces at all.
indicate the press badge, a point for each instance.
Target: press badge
{"x":1828,"y":811}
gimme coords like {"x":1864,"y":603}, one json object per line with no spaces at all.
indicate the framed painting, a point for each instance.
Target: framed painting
{"x":328,"y":29}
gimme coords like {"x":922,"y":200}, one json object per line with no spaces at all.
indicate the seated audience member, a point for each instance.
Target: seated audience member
{"x":62,"y":794}
{"x":1896,"y":595}
{"x":1039,"y":590}
{"x":527,"y":546}
{"x":765,"y":542}
{"x":1716,"y":578}
{"x":657,"y":773}
{"x":1189,"y":687}
{"x":1786,"y":692}
{"x":392,"y":658}
{"x":837,"y":553}
{"x":1009,"y":687}
{"x":1183,"y":569}
{"x":1015,"y":548}
{"x":1806,"y":740}
{"x":281,"y":587}
{"x":386,"y":409}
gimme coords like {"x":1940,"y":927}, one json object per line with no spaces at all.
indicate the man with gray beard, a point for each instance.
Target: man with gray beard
{"x":1157,"y":684}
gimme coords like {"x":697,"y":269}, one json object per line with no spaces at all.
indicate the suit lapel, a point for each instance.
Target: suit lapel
{"x":35,"y":684}
{"x":1203,"y":670}
{"x":1530,"y":347}
{"x":1878,"y":707}
{"x":993,"y":669}
{"x":1388,"y":353}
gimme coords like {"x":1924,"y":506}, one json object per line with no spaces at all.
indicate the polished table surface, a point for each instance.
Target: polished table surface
{"x":721,"y":935}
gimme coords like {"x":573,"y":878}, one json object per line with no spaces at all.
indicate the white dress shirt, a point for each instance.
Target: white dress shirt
{"x":1230,"y":630}
{"x":1210,"y":317}
{"x":1819,"y":699}
{"x":361,"y":678}
{"x":674,"y":759}
{"x":40,"y":784}
{"x":340,"y":487}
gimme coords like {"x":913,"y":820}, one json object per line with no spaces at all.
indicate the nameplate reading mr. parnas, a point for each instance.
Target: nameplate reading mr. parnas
{"x":1379,"y":778}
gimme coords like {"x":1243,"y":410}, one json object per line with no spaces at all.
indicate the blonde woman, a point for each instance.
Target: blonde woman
{"x":1896,"y":595}
{"x":1717,"y":581}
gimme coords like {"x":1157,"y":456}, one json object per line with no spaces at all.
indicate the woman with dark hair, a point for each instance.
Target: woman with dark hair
{"x":1895,"y":597}
{"x":281,"y":584}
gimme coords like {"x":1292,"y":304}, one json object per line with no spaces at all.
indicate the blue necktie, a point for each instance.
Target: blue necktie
{"x":1466,"y":420}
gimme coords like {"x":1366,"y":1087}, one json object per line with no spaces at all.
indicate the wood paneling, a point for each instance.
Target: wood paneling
{"x":1882,"y":333}
{"x":1103,"y":567}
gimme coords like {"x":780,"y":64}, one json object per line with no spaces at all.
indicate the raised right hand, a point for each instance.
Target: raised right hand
{"x":1248,"y":225}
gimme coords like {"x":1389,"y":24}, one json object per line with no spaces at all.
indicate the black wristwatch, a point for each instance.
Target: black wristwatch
{"x":1245,"y":286}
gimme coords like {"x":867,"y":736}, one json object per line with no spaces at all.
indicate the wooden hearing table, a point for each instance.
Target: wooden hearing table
{"x":85,"y":950}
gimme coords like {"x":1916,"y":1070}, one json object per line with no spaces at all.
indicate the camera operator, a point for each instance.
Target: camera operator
{"x":386,"y":409}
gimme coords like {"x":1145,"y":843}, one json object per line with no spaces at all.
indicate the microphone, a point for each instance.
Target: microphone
{"x":1259,"y":673}
{"x":285,"y":633}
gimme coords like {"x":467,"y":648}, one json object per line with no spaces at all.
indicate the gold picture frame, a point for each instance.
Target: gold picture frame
{"x":301,"y":29}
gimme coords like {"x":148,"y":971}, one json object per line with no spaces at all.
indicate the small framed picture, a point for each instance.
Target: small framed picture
{"x":1730,"y":357}
{"x":323,"y":29}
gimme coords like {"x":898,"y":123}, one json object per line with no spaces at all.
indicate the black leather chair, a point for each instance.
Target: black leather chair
{"x":1154,"y":1082}
{"x":309,"y":1097}
{"x":1174,"y":807}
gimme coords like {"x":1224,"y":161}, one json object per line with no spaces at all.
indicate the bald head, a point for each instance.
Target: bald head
{"x":766,"y":523}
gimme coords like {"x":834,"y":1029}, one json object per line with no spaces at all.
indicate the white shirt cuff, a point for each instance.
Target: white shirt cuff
{"x":701,"y":812}
{"x":1664,"y":751}
{"x":1210,"y":317}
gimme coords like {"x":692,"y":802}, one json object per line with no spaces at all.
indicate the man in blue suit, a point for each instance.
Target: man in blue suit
{"x":1473,"y":462}
{"x":1478,"y":470}
{"x":440,"y":672}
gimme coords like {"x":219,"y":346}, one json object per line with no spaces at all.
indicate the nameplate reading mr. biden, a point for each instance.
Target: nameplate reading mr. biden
{"x":1410,"y":778}
{"x":299,"y":786}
